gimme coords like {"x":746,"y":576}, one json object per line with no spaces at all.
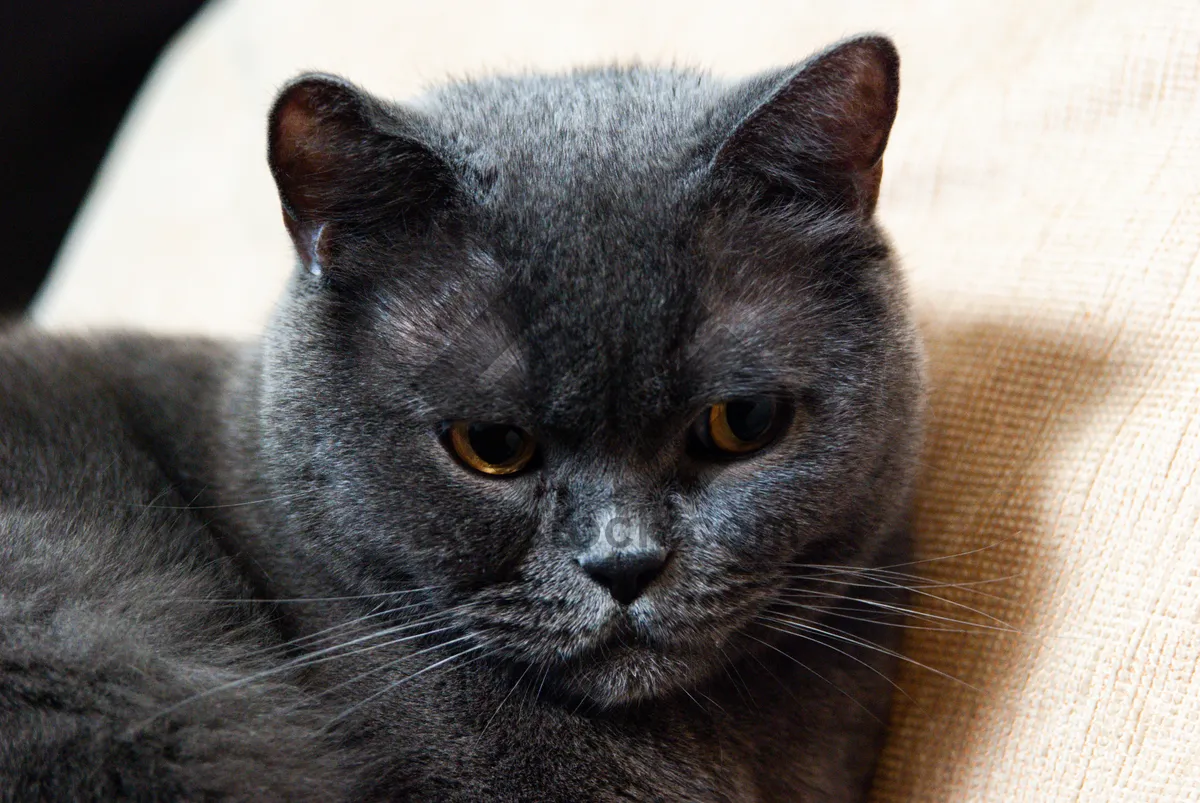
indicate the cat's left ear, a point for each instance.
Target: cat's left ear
{"x":821,"y":130}
{"x":345,"y":163}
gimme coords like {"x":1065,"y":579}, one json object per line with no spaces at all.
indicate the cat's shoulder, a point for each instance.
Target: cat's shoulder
{"x":102,"y":419}
{"x":33,"y":360}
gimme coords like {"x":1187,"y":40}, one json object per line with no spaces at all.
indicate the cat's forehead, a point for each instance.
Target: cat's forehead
{"x":582,"y":347}
{"x":589,"y":180}
{"x":602,"y":293}
{"x":588,"y":124}
{"x":589,"y":150}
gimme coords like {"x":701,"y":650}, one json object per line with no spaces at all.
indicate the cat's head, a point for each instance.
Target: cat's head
{"x":600,"y":359}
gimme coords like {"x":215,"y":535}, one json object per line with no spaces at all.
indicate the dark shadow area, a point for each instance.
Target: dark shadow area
{"x":1007,"y":400}
{"x":68,"y":71}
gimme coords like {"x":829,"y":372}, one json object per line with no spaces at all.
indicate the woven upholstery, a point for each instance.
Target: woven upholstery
{"x":1043,"y":190}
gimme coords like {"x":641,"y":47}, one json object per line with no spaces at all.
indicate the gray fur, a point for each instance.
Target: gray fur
{"x":594,"y":257}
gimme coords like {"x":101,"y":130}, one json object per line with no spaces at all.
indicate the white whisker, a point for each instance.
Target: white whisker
{"x":885,"y":578}
{"x":808,"y":668}
{"x":502,"y":702}
{"x":842,"y":636}
{"x":307,"y":660}
{"x":270,"y":601}
{"x":393,"y":685}
{"x":904,"y":625}
{"x":248,"y":503}
{"x":325,"y":634}
{"x":388,"y":664}
{"x":854,"y":658}
{"x":909,"y":611}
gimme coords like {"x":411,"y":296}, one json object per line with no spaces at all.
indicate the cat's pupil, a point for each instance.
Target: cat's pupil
{"x":749,"y":419}
{"x":495,"y":443}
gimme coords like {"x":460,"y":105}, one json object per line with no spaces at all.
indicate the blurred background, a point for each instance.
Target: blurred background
{"x":68,"y":71}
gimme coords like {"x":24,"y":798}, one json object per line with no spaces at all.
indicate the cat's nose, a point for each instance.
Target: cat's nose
{"x":625,"y":571}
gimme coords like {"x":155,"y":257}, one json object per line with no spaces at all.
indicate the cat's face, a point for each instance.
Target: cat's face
{"x":600,"y":388}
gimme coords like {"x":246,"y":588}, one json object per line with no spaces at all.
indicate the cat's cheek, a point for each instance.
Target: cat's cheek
{"x":745,"y":526}
{"x":477,"y":533}
{"x":468,"y":559}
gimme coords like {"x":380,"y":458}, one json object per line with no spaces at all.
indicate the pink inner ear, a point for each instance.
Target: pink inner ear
{"x":864,"y":104}
{"x":299,"y":154}
{"x":834,"y":115}
{"x":860,"y":117}
{"x":306,"y":143}
{"x":298,"y":145}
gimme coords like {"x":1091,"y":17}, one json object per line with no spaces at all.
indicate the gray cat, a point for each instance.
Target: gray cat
{"x":552,"y":478}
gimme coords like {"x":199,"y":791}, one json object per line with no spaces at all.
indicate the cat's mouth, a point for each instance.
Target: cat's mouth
{"x":611,"y":655}
{"x":620,"y":674}
{"x":631,"y":663}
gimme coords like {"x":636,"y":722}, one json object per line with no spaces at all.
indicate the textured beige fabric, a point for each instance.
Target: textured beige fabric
{"x":1043,"y":188}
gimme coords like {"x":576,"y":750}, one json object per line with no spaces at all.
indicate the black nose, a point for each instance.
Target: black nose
{"x":625,"y":571}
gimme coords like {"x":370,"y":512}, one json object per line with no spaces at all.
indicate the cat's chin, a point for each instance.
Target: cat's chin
{"x":631,"y":675}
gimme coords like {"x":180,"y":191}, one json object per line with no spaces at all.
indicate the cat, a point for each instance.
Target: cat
{"x":554,"y":476}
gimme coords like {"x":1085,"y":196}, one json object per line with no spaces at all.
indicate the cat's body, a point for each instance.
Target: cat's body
{"x":103,"y":618}
{"x":593,"y":259}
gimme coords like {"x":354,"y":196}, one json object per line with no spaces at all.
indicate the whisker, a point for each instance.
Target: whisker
{"x":735,"y":677}
{"x":268,"y":600}
{"x":938,"y":558}
{"x":326,"y":634}
{"x":865,"y":573}
{"x":541,"y":685}
{"x":951,"y":602}
{"x":922,"y":561}
{"x":144,"y":510}
{"x":842,"y":636}
{"x":963,"y":584}
{"x":720,"y":707}
{"x":854,"y":658}
{"x":694,"y":700}
{"x":372,"y":648}
{"x":885,"y":623}
{"x":393,"y":685}
{"x":808,"y":668}
{"x":883,"y":582}
{"x":502,"y":702}
{"x":967,"y":586}
{"x":910,"y":611}
{"x":391,"y":663}
{"x":264,"y":501}
{"x":304,"y":661}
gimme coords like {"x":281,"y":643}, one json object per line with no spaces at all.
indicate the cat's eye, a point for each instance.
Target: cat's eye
{"x":497,"y":449}
{"x":739,"y":427}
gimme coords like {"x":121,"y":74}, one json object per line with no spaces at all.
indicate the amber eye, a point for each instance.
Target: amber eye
{"x":739,"y":426}
{"x":497,"y":449}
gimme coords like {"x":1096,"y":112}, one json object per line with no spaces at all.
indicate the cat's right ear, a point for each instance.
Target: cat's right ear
{"x":819,"y":132}
{"x":345,"y":162}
